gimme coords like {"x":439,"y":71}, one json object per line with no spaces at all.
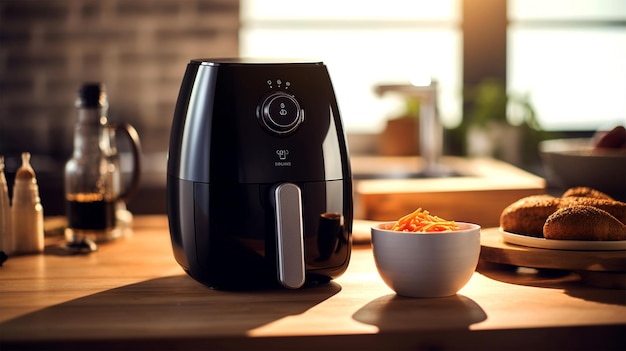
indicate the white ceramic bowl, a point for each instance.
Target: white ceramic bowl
{"x":426,"y":264}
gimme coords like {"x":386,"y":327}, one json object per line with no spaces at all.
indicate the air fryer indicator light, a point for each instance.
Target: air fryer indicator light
{"x":281,"y":113}
{"x":279,"y":83}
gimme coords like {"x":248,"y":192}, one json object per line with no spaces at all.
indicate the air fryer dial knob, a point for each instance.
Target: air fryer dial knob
{"x":280,"y":113}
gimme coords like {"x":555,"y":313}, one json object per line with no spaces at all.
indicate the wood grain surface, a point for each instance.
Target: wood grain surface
{"x":131,"y":294}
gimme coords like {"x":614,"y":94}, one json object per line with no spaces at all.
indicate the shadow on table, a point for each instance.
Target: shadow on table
{"x":397,"y":313}
{"x":163,"y":308}
{"x":570,"y":282}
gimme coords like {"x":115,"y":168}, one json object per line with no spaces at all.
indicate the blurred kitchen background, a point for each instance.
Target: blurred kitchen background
{"x":543,"y":69}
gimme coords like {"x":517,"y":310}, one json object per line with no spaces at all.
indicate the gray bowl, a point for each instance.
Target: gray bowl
{"x":573,"y":162}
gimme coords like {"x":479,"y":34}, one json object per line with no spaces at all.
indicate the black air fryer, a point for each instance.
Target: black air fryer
{"x":258,"y":181}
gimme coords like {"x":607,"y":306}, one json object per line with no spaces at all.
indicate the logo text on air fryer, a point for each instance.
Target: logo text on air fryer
{"x":282,"y":158}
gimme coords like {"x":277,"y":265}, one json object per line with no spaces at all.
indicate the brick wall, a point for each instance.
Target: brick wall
{"x":138,"y":48}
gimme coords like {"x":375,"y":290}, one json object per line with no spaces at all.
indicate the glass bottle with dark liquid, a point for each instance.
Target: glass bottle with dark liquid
{"x":93,"y":179}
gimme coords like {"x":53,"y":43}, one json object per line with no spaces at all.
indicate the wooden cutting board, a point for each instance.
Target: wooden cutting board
{"x":604,"y":269}
{"x":495,"y":250}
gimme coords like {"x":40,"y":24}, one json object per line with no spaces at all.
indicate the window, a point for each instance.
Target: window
{"x":569,"y":56}
{"x":364,"y":43}
{"x":566,"y":55}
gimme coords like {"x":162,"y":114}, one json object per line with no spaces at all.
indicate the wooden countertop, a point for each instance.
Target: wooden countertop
{"x":131,"y":294}
{"x":481,"y":188}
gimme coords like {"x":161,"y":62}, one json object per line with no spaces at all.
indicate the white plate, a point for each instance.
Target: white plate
{"x":577,"y":245}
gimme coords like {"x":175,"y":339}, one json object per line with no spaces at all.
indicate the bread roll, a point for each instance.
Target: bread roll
{"x":528,"y":215}
{"x":583,"y":223}
{"x":583,"y":191}
{"x":616,"y":208}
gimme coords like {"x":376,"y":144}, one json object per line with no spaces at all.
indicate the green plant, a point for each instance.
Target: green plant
{"x":489,"y":108}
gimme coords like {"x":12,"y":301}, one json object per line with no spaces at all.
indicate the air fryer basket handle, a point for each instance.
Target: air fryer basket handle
{"x":289,"y":235}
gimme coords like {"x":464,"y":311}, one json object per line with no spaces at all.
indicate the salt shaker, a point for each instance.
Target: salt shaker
{"x":27,"y":212}
{"x":6,"y":230}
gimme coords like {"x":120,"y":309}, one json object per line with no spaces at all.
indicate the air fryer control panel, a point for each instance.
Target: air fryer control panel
{"x":275,"y":123}
{"x":280,"y":113}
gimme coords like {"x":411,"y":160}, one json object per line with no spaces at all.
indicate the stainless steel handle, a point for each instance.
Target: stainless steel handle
{"x":289,"y":235}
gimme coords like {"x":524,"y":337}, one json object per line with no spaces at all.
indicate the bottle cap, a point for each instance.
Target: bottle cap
{"x":92,"y":95}
{"x":25,"y":172}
